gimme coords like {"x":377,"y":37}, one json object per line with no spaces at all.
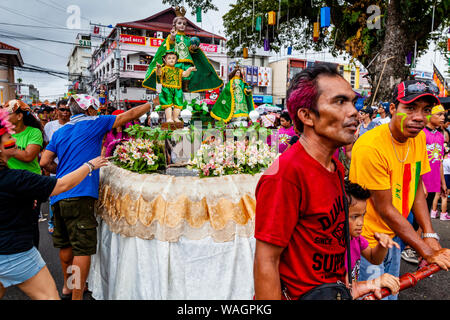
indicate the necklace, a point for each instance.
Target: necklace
{"x":395,"y":151}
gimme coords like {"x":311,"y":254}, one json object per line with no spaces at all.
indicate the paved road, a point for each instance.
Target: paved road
{"x":435,"y":288}
{"x":50,"y":256}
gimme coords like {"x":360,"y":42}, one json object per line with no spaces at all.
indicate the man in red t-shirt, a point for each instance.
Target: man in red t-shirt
{"x":300,"y":214}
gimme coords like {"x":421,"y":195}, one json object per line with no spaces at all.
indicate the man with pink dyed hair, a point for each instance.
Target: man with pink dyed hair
{"x":299,"y":228}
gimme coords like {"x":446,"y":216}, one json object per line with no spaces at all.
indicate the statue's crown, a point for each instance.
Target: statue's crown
{"x":180,"y":11}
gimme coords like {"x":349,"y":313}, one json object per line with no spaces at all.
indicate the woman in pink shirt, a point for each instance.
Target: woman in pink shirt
{"x":285,"y":132}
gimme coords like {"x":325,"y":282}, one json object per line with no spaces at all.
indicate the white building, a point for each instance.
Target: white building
{"x":78,"y":64}
{"x":258,"y":74}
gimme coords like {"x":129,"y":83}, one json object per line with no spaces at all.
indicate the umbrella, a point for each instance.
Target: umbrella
{"x":409,"y":280}
{"x":267,"y":107}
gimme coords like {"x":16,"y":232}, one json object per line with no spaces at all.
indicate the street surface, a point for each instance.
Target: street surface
{"x":435,"y":288}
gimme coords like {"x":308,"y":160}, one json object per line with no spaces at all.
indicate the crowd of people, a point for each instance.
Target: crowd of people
{"x":303,"y":239}
{"x":350,"y":190}
{"x":53,"y":157}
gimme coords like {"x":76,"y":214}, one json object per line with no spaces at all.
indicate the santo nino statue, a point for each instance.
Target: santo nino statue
{"x":169,"y":76}
{"x":236,"y":100}
{"x":189,"y":55}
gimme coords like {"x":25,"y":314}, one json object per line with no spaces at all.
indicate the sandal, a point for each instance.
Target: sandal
{"x":67,"y":296}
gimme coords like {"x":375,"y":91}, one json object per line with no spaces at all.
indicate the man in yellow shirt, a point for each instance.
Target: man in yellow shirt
{"x":389,"y":161}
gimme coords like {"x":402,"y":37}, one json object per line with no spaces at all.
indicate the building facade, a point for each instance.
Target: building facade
{"x":285,"y":69}
{"x":258,"y":74}
{"x":9,"y":59}
{"x":27,"y":92}
{"x":78,"y":64}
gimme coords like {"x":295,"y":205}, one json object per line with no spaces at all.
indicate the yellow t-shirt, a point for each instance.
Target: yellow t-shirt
{"x":376,"y":165}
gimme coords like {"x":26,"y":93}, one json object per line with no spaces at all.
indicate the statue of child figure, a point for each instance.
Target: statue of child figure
{"x":171,"y":97}
{"x":189,"y":54}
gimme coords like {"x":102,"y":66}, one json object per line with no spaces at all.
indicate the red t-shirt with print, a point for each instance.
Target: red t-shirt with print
{"x":299,"y":206}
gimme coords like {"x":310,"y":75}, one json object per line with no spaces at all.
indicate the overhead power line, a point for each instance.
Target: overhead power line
{"x":60,"y":8}
{"x":37,"y":19}
{"x":43,"y":27}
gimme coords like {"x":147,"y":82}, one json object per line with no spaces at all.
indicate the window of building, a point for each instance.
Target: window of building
{"x":132,"y":31}
{"x":145,"y":59}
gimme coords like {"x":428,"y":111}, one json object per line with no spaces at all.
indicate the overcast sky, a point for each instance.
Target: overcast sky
{"x":53,"y":13}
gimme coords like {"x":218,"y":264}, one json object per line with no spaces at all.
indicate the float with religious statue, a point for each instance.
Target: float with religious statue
{"x":177,"y":203}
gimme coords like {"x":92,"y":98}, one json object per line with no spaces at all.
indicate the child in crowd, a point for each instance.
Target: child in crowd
{"x":359,"y":246}
{"x":446,"y":165}
{"x":284,"y":133}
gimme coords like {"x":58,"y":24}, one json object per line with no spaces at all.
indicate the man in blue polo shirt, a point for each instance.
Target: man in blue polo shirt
{"x":74,"y":144}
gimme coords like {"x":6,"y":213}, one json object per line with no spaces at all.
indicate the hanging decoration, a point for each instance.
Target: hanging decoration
{"x":266,"y":45}
{"x":272,"y":18}
{"x":258,"y":23}
{"x":316,"y":32}
{"x":409,"y":58}
{"x":289,"y":50}
{"x":199,"y":14}
{"x":324,"y":17}
{"x":245,"y":53}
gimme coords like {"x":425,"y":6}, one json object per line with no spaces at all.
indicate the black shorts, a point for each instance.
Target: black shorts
{"x":75,"y":225}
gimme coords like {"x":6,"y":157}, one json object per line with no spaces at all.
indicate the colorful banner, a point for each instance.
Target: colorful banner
{"x":440,"y":82}
{"x":249,"y":74}
{"x":264,"y":77}
{"x":255,"y":76}
{"x":206,"y":47}
{"x":125,"y":38}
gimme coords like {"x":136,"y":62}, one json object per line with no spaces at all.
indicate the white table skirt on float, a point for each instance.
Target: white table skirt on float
{"x":169,"y":237}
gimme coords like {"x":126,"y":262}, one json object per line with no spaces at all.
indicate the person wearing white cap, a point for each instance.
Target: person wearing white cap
{"x":76,"y":143}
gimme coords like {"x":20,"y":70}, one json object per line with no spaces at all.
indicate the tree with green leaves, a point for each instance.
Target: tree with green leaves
{"x":379,"y":34}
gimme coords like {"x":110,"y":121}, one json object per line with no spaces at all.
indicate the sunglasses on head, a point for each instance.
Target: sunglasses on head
{"x":422,"y":87}
{"x":64,"y":109}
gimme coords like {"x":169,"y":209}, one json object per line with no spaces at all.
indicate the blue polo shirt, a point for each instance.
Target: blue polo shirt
{"x":80,"y":140}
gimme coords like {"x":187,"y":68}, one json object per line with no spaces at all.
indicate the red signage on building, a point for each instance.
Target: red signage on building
{"x":155,"y":42}
{"x":124,"y":38}
{"x":210,"y":48}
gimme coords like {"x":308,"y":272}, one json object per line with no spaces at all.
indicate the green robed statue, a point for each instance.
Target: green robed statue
{"x":189,"y":55}
{"x":235,"y":101}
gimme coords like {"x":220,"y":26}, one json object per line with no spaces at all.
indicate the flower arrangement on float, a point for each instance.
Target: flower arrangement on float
{"x":145,"y":150}
{"x":233,"y":157}
{"x":139,"y":155}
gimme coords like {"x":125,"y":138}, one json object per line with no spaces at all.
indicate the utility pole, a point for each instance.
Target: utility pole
{"x":117,"y":57}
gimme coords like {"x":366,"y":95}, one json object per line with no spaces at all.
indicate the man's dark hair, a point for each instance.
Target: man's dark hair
{"x":354,"y":190}
{"x":303,"y":91}
{"x":62,"y":102}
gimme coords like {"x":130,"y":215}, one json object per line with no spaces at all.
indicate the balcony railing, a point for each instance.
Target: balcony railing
{"x":136,"y":67}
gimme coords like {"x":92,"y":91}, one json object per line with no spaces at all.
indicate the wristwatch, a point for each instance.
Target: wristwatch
{"x":431,"y":235}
